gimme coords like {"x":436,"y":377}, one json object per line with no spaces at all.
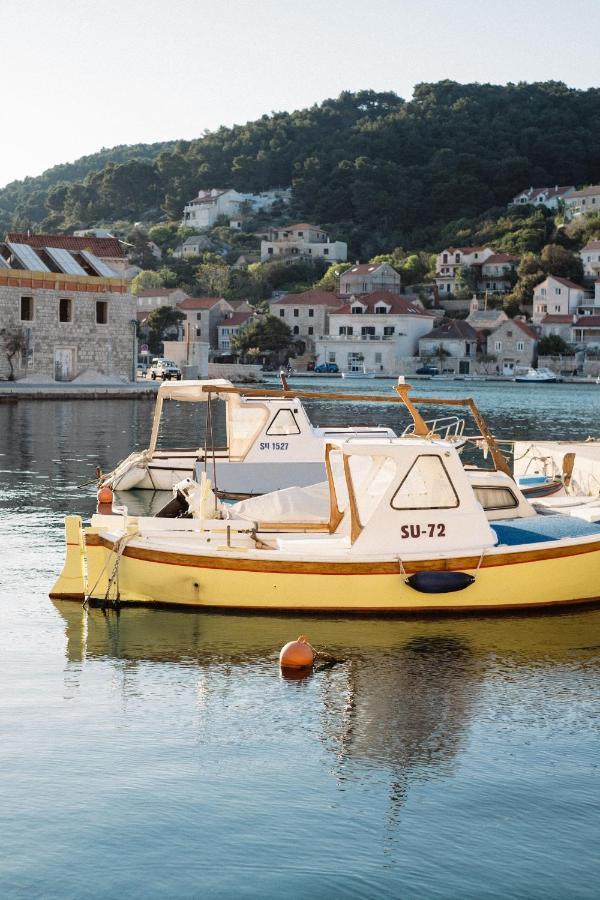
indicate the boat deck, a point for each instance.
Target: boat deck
{"x":539,"y":529}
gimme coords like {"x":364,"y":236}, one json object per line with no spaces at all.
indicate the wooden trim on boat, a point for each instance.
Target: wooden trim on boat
{"x":329,"y":567}
{"x":335,"y":514}
{"x":355,"y":524}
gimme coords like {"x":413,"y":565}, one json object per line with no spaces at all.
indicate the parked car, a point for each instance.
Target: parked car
{"x":165,"y":369}
{"x":427,"y":370}
{"x":327,"y":367}
{"x":310,"y":366}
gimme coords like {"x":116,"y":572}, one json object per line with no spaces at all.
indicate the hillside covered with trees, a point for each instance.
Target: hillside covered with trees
{"x":376,"y":170}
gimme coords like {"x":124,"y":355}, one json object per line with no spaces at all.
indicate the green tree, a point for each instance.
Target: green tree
{"x":162,"y":322}
{"x":264,"y":334}
{"x":14,"y":341}
{"x":331,"y":279}
{"x":552,"y":345}
{"x":557,"y":260}
{"x":145,"y":280}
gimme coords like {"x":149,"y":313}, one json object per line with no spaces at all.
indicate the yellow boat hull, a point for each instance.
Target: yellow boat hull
{"x":506,"y":580}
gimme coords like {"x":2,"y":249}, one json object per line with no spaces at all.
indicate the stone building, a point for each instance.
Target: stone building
{"x":68,"y":324}
{"x":514,"y":344}
{"x":202,"y":317}
{"x":307,"y":314}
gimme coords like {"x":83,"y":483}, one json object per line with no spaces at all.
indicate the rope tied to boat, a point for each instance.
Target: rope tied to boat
{"x":118,"y":549}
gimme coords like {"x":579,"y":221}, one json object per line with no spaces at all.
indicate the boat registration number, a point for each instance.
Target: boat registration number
{"x":273,"y":445}
{"x":432,"y":529}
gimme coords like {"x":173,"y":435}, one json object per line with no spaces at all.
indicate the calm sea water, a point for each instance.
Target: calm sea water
{"x":161,"y":754}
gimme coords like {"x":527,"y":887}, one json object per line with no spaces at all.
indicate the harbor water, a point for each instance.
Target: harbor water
{"x":157,"y":753}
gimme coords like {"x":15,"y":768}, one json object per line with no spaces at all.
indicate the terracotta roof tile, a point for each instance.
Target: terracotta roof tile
{"x":309,"y":298}
{"x":236,"y":319}
{"x":399,"y":304}
{"x":555,"y":319}
{"x":198,"y":303}
{"x":587,"y":322}
{"x":459,"y":329}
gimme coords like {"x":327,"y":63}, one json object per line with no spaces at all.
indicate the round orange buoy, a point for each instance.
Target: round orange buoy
{"x":297,"y":654}
{"x":105,"y":495}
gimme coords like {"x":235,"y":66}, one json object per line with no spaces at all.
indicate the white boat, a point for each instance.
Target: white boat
{"x":270,"y":442}
{"x":538,"y":376}
{"x":362,"y":373}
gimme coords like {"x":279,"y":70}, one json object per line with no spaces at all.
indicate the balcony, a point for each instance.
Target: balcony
{"x":360,"y":337}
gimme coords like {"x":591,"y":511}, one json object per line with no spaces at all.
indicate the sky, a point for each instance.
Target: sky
{"x":79,"y":75}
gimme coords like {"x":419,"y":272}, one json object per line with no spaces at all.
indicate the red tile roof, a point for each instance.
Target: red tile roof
{"x":198,"y":303}
{"x":567,"y":283}
{"x":465,"y":249}
{"x":158,"y":292}
{"x":399,"y":305}
{"x":587,"y":322}
{"x":550,"y":191}
{"x":592,"y":190}
{"x":235,"y":319}
{"x":591,"y":245}
{"x":556,"y":320}
{"x":457,"y":329}
{"x":500,"y":258}
{"x":102,"y":247}
{"x":525,"y":328}
{"x":309,"y":298}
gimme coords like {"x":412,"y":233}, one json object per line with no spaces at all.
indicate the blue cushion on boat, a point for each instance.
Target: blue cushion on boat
{"x":536,"y":529}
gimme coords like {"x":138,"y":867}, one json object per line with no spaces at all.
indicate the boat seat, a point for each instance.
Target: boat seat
{"x":538,"y":529}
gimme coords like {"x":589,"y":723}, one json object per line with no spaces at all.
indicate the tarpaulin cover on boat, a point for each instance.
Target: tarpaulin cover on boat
{"x":190,"y":391}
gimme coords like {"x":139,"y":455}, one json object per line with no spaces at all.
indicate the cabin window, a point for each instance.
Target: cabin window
{"x":495,"y":497}
{"x":371,"y":478}
{"x":284,"y":422}
{"x":426,"y":485}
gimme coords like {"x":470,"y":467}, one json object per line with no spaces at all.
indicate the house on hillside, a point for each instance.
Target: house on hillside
{"x":107,"y":249}
{"x":590,"y":257}
{"x":307,"y":314}
{"x":514,"y":344}
{"x":229,"y":327}
{"x":69,"y":312}
{"x":374,"y":332}
{"x":498,"y":273}
{"x":557,"y":296}
{"x":194,"y":246}
{"x":583,"y":202}
{"x":453,"y":345}
{"x":550,"y":197}
{"x":365,"y":278}
{"x":153,"y":298}
{"x":204,"y":210}
{"x":301,"y":241}
{"x":452,"y":259}
{"x":586,"y":330}
{"x":202,"y":317}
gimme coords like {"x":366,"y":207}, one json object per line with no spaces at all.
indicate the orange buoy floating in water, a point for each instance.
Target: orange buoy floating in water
{"x":297,"y":654}
{"x":105,"y":495}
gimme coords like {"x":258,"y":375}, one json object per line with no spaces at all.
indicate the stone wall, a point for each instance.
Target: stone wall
{"x":64,"y":350}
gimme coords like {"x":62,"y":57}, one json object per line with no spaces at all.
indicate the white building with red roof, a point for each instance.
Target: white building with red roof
{"x":204,"y":210}
{"x":364,"y":278}
{"x":374,"y":333}
{"x":558,"y":296}
{"x":307,"y":314}
{"x":229,"y":327}
{"x":550,"y":197}
{"x":498,"y":273}
{"x":301,"y":241}
{"x":590,"y":257}
{"x":583,"y":202}
{"x":450,"y":260}
{"x":153,"y":298}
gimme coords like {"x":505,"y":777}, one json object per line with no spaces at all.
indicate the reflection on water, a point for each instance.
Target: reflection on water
{"x":160,"y":753}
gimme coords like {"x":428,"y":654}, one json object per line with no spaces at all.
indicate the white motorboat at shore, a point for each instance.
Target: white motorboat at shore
{"x":538,"y":376}
{"x":270,"y":443}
